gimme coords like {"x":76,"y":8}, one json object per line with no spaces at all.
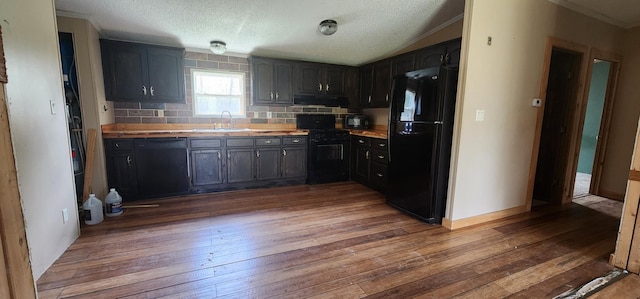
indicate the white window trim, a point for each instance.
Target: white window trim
{"x":243,"y":95}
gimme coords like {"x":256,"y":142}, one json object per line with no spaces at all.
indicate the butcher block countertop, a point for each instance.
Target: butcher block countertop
{"x":198,"y":130}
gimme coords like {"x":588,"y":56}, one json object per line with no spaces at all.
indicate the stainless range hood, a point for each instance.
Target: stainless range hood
{"x":327,"y":101}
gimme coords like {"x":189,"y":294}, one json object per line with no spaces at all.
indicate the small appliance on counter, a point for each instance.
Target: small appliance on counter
{"x":356,"y":121}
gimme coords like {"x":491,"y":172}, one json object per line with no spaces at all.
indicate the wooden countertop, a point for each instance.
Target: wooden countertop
{"x":187,"y":130}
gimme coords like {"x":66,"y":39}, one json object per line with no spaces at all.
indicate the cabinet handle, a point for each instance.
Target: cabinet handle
{"x":151,"y":90}
{"x":367,"y":155}
{"x":228,"y":155}
{"x":144,"y":90}
{"x":386,"y":97}
{"x":327,"y":87}
{"x":258,"y":154}
{"x":447,"y":58}
{"x":379,"y":175}
{"x":296,"y":141}
{"x":219,"y":156}
{"x":441,"y":59}
{"x":360,"y":141}
{"x":369,"y":98}
{"x":284,"y":152}
{"x":117,"y":145}
{"x":129,"y":160}
{"x":277,"y":95}
{"x":267,"y":141}
{"x":382,"y":144}
{"x":380,"y":157}
{"x":271,"y":95}
{"x":319,"y":86}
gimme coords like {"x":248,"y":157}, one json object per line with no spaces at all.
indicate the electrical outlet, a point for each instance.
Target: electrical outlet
{"x":269,"y":114}
{"x":65,"y":215}
{"x":160,"y":113}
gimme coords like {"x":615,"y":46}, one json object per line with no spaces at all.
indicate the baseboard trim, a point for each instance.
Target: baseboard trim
{"x":456,"y":224}
{"x":611,"y":195}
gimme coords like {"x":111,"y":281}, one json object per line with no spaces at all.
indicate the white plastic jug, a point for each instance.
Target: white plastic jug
{"x":113,"y":203}
{"x":92,"y":210}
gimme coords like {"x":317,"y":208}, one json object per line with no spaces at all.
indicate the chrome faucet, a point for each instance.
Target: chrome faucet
{"x":230,"y":118}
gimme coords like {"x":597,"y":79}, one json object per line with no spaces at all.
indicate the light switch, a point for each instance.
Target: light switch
{"x":479,"y":115}
{"x":52,"y":105}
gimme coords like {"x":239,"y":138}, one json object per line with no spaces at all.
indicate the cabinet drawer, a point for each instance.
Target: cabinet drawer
{"x":379,"y":156}
{"x":238,"y":142}
{"x":362,"y":141}
{"x":160,"y":143}
{"x":379,"y":175}
{"x":294,"y":140}
{"x":268,"y":141}
{"x":205,"y":143}
{"x":121,"y":144}
{"x":379,"y":143}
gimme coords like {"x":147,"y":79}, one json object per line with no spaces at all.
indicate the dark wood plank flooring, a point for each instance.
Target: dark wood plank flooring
{"x":326,"y":241}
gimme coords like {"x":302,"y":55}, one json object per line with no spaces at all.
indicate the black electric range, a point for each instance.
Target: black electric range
{"x":327,"y":148}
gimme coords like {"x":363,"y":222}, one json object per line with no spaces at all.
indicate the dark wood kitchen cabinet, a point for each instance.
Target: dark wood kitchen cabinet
{"x":240,"y":160}
{"x":369,"y":163}
{"x":142,"y":73}
{"x":272,"y":81}
{"x":121,"y":167}
{"x":366,"y":85}
{"x":294,"y":157}
{"x":206,"y":163}
{"x":320,"y":79}
{"x":268,"y":158}
{"x":381,"y":84}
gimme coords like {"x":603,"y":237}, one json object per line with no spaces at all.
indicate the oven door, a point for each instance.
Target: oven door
{"x":328,"y":162}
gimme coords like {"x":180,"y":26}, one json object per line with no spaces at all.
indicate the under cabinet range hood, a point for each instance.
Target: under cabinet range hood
{"x":327,"y":101}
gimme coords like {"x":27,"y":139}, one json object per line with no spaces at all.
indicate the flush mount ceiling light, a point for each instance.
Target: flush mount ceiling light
{"x":218,"y":47}
{"x":328,"y":27}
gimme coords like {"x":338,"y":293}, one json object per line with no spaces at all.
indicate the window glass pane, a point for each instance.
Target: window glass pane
{"x":214,"y":92}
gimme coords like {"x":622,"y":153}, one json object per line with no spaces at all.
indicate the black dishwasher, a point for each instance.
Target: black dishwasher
{"x":162,"y":166}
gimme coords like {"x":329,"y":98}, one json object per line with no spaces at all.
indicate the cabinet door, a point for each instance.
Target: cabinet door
{"x":362,"y":164}
{"x":166,"y":75}
{"x":294,"y":162}
{"x":310,"y":79}
{"x":430,"y":57}
{"x":122,"y":174}
{"x":206,"y":167}
{"x":366,"y":85}
{"x":452,"y":58}
{"x":268,"y":163}
{"x":125,"y":71}
{"x":402,"y":64}
{"x":283,"y":83}
{"x":335,"y":81}
{"x":263,"y":82}
{"x":381,"y":84}
{"x":240,"y":165}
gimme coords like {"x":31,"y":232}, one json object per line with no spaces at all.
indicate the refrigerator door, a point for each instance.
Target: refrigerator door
{"x":415,"y":97}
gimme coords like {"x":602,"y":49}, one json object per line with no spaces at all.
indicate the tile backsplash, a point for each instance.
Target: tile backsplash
{"x":132,"y":112}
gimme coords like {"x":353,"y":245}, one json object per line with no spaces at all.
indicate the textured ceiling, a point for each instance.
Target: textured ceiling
{"x":367,"y":29}
{"x":622,"y":13}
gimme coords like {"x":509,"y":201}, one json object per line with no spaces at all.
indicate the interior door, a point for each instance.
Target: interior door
{"x":555,"y":138}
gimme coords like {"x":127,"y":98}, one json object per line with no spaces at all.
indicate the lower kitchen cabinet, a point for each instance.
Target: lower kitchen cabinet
{"x":369,"y":162}
{"x":157,"y":167}
{"x":240,"y":163}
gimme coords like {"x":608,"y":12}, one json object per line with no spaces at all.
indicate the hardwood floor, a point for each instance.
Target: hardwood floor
{"x":326,"y":241}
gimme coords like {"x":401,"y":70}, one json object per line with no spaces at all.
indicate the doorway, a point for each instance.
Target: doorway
{"x":591,"y":128}
{"x":562,"y":94}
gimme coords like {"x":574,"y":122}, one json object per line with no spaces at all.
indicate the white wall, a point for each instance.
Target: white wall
{"x":490,"y":168}
{"x":40,"y":140}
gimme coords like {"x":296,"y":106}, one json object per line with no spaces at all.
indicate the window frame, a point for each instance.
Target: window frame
{"x":243,"y":91}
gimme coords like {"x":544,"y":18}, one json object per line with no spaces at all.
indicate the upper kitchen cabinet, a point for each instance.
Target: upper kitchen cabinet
{"x":402,"y":64}
{"x":320,"y":79}
{"x":381,"y":84}
{"x":447,"y":53}
{"x":272,"y":81}
{"x":366,"y":85}
{"x":142,"y":73}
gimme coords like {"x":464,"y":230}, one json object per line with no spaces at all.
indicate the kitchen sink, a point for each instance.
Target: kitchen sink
{"x":221,"y":130}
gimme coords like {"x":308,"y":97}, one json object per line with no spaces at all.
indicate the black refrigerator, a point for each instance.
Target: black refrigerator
{"x":420,"y":134}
